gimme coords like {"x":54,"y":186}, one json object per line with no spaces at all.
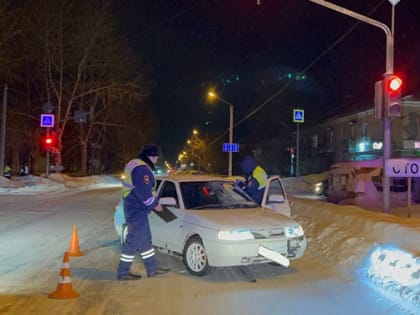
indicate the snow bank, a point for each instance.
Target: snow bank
{"x":75,"y":182}
{"x":380,"y":248}
{"x":7,"y":183}
{"x":55,"y":182}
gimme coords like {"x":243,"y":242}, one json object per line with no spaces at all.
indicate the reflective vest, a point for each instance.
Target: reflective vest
{"x":260,"y":176}
{"x":128,"y":181}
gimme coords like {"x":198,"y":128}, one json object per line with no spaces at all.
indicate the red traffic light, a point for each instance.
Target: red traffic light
{"x":394,"y":84}
{"x":48,"y":141}
{"x":392,"y":95}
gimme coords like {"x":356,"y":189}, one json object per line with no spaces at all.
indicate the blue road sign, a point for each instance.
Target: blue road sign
{"x":230,"y":147}
{"x":298,"y":115}
{"x":47,"y":120}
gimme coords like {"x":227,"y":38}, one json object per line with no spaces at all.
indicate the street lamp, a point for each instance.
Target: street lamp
{"x":213,"y":95}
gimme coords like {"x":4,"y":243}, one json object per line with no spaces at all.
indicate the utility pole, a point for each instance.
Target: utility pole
{"x":389,"y":70}
{"x":230,"y":137}
{"x":298,"y":118}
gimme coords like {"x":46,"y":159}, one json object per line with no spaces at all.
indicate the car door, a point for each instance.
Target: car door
{"x":167,"y":226}
{"x":275,"y":196}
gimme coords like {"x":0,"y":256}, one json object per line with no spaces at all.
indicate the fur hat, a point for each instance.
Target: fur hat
{"x":248,"y":164}
{"x":150,"y":150}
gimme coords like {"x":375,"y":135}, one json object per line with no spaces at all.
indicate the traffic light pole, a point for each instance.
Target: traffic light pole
{"x":230,"y":138}
{"x":47,"y":157}
{"x":389,"y":70}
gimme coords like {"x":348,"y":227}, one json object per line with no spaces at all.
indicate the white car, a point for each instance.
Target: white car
{"x":210,"y":222}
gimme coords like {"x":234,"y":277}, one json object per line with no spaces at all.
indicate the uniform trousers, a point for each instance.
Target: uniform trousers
{"x":139,"y":239}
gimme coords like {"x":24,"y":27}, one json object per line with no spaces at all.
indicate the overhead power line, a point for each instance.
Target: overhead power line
{"x":304,"y":71}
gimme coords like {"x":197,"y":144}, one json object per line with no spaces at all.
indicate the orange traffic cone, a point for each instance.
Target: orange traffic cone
{"x":64,"y":288}
{"x":74,"y":244}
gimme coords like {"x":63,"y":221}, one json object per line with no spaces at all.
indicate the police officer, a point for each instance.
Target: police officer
{"x":7,"y":171}
{"x":255,"y":179}
{"x":139,"y":200}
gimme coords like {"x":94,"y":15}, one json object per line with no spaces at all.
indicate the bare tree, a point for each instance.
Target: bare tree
{"x":79,"y":65}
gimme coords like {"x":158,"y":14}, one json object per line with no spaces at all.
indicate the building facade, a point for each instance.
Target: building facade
{"x":357,"y":135}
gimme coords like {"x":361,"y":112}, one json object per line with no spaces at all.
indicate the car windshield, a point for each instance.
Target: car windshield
{"x":214,"y":195}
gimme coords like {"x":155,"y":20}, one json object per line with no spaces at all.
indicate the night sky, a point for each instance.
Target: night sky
{"x":192,"y":44}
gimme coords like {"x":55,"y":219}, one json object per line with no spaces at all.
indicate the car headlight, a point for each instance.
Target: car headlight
{"x":294,"y":231}
{"x":235,"y":235}
{"x":318,"y":187}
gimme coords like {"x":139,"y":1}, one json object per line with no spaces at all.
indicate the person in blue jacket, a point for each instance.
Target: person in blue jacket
{"x":255,"y":179}
{"x":139,"y":200}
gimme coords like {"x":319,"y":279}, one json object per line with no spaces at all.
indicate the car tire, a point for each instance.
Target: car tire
{"x":195,"y":258}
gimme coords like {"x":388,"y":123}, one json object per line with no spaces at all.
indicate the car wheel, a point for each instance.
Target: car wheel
{"x":195,"y":257}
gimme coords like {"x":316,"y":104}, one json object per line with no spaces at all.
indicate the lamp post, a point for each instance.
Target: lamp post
{"x":214,"y":95}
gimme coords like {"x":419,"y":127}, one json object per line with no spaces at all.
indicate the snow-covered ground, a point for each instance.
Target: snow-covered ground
{"x":380,"y":250}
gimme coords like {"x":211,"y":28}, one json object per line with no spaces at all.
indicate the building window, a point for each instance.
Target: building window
{"x":315,"y":141}
{"x":330,"y":136}
{"x":364,"y":130}
{"x":351,"y":129}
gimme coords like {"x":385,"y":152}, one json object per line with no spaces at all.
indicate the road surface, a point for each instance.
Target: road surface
{"x":35,"y":231}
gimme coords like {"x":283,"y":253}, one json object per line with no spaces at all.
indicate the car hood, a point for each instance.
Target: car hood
{"x":254,"y":218}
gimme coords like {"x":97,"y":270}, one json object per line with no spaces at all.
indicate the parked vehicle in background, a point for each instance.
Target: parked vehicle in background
{"x":360,"y":183}
{"x":210,"y":222}
{"x":347,"y":179}
{"x":317,"y":183}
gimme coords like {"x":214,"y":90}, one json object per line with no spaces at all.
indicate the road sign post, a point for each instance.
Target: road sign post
{"x":298,"y":118}
{"x":404,"y":167}
{"x":47,"y":121}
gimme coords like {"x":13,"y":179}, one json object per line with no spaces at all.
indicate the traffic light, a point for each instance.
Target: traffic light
{"x":49,"y":141}
{"x":379,"y":100}
{"x":392,"y":95}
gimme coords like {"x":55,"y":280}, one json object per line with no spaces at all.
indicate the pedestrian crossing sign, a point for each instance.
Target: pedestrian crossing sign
{"x":298,"y":115}
{"x":47,"y":120}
